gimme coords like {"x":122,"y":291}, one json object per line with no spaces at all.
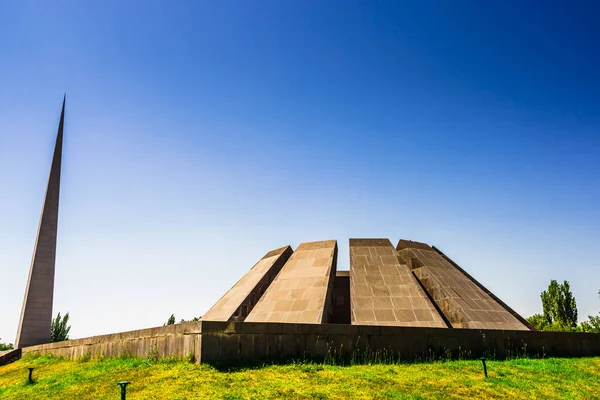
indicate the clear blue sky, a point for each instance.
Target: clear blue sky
{"x":200,"y":135}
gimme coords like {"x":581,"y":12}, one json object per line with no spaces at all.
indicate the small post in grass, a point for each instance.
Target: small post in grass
{"x":484,"y":367}
{"x":123,"y":388}
{"x":30,"y":379}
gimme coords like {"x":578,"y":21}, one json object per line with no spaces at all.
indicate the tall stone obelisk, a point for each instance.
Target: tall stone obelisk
{"x":36,"y":314}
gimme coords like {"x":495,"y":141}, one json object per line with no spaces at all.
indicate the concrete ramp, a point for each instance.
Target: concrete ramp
{"x":383,"y":291}
{"x":303,"y":290}
{"x":237,"y":303}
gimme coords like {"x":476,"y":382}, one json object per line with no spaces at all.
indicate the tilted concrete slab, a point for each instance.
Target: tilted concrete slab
{"x":36,"y":313}
{"x":383,"y":291}
{"x":303,"y":289}
{"x":239,"y":301}
{"x":487,"y":291}
{"x":464,"y":304}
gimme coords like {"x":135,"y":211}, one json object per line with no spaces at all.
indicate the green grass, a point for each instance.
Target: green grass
{"x":57,"y":378}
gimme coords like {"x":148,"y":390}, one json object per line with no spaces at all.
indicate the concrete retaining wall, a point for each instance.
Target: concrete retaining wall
{"x":9,"y":356}
{"x":179,"y":340}
{"x":225,"y":343}
{"x":247,"y":342}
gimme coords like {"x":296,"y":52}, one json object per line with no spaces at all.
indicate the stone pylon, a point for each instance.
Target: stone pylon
{"x":36,"y":314}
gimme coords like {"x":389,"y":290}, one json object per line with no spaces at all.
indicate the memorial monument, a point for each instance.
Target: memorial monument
{"x":412,"y":285}
{"x":36,"y":313}
{"x":408,"y":301}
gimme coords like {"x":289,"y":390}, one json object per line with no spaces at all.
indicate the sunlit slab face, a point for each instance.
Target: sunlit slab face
{"x":383,"y":290}
{"x":303,"y":290}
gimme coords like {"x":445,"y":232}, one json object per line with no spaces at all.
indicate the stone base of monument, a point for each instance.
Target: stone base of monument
{"x":227,"y":343}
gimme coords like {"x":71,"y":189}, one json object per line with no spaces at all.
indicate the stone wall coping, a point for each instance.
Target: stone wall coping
{"x":218,"y":327}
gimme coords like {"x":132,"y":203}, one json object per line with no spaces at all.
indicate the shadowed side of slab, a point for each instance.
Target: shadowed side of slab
{"x":487,"y":291}
{"x":383,"y":291}
{"x":303,"y":289}
{"x":341,"y":314}
{"x":239,"y":301}
{"x":463,"y":303}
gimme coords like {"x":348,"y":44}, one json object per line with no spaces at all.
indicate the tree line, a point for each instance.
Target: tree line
{"x":560,"y":311}
{"x":171,"y":320}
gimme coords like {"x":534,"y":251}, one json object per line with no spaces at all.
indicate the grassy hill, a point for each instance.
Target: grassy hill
{"x":169,"y":379}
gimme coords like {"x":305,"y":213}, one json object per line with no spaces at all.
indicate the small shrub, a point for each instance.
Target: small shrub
{"x":190,"y":358}
{"x":310,"y":368}
{"x":124,"y":354}
{"x":100,"y":356}
{"x":153,"y":354}
{"x":4,"y":346}
{"x":171,"y":320}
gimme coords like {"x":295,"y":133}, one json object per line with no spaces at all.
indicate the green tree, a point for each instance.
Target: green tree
{"x":560,"y":308}
{"x":4,"y":346}
{"x":584,"y":327}
{"x":171,"y":320}
{"x":60,"y":328}
{"x":538,"y":321}
{"x":593,"y":323}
